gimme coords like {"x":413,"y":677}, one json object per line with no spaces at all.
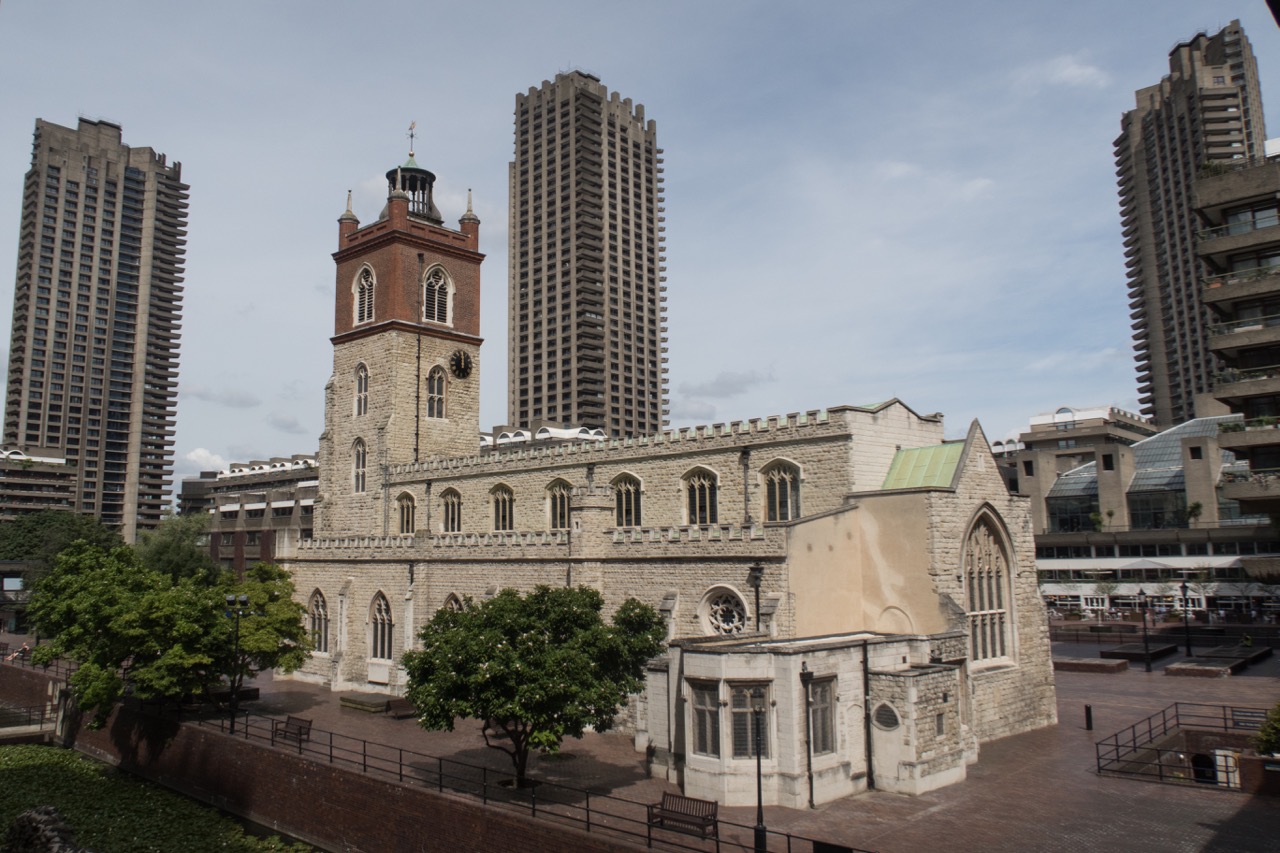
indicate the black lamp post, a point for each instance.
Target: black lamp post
{"x":237,"y":606}
{"x":754,"y":575}
{"x":757,"y":716}
{"x":1186,"y":617}
{"x":1146,"y":644}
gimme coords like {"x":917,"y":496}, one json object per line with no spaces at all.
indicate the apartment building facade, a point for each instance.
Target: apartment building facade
{"x":93,"y":356}
{"x":587,"y":291}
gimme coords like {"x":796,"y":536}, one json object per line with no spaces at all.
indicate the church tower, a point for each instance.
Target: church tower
{"x":406,"y":355}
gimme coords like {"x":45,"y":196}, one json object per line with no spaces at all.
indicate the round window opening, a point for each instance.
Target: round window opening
{"x":885,"y":717}
{"x":724,"y":612}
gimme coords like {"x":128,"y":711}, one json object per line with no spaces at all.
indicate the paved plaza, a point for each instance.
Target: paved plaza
{"x":1031,"y":792}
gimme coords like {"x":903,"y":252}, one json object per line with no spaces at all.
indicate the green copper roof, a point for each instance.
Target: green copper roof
{"x":411,"y":164}
{"x":924,"y":466}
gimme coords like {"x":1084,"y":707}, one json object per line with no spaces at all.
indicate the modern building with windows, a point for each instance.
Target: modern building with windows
{"x":587,"y":292}
{"x":1206,"y":111}
{"x":853,"y":544}
{"x":93,"y":356}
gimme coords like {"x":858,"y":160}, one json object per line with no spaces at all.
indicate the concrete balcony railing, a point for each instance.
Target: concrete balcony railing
{"x":1248,"y":325}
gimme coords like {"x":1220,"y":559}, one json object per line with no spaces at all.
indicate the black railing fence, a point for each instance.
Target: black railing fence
{"x":1131,"y":751}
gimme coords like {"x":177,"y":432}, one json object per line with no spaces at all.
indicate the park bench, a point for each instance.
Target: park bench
{"x":685,"y":814}
{"x":292,"y":728}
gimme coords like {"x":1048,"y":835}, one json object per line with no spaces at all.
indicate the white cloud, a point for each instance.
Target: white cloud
{"x":201,"y":459}
{"x":286,"y":423}
{"x":232,"y":398}
{"x":1068,"y":70}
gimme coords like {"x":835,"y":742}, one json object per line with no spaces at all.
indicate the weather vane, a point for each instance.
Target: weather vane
{"x":412,"y":127}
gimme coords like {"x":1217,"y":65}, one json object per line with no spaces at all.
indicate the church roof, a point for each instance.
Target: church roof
{"x":921,"y":467}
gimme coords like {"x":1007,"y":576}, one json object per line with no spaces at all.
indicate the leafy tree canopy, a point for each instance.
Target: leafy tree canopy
{"x":40,"y":536}
{"x":535,"y":668}
{"x":126,"y":623}
{"x":175,"y":547}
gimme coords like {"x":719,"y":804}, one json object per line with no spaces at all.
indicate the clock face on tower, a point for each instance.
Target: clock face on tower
{"x":460,"y":364}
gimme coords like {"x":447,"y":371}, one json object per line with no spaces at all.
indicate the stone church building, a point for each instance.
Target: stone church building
{"x":848,"y":560}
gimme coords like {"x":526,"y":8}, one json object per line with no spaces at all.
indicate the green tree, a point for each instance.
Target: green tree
{"x":39,"y":537}
{"x":1267,"y":740}
{"x":175,"y":547}
{"x":535,"y":668}
{"x":125,"y":623}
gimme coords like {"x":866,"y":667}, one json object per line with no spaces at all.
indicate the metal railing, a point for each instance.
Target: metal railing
{"x":587,"y":810}
{"x":1129,"y":752}
{"x":26,"y":716}
{"x":1169,"y":632}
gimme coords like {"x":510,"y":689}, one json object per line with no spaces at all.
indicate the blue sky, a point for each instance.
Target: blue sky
{"x":864,"y":199}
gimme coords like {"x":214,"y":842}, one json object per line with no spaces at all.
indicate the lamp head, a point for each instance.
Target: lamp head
{"x":754,"y":575}
{"x":757,"y":699}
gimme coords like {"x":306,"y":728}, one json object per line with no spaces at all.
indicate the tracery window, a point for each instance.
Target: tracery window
{"x":405,"y":503}
{"x":452,"y":602}
{"x":382,"y":628}
{"x":435,"y":392}
{"x":745,"y":721}
{"x":318,"y":610}
{"x":704,"y":699}
{"x":359,"y":456}
{"x":723,"y":612}
{"x":362,"y":390}
{"x":364,"y":295}
{"x":504,"y":503}
{"x":558,"y":505}
{"x":822,"y":715}
{"x":986,"y":579}
{"x":781,"y":491}
{"x":700,"y":488}
{"x":435,"y":296}
{"x":452,"y":510}
{"x":626,"y":498}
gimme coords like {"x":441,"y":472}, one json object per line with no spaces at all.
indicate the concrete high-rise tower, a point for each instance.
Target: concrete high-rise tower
{"x":93,"y":357}
{"x":1208,"y":110}
{"x":587,"y":291}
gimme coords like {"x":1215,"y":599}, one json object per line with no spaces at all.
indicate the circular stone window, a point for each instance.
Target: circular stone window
{"x":723,"y":612}
{"x":885,"y":717}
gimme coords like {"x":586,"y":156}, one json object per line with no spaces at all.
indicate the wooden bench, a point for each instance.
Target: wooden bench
{"x":292,"y":728}
{"x":685,"y":814}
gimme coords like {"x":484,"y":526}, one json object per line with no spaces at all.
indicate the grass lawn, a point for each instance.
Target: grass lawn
{"x":113,"y":812}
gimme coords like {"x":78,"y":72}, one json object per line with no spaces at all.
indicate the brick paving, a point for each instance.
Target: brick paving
{"x":1031,"y":792}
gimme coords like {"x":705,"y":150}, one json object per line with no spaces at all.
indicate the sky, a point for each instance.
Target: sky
{"x":864,"y":200}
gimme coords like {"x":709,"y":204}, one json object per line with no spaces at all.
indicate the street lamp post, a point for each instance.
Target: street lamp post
{"x":757,"y":717}
{"x":754,"y":575}
{"x":1146,"y":643}
{"x":237,"y":606}
{"x":1186,"y":617}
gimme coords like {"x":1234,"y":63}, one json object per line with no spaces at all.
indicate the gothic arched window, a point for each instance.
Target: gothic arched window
{"x":318,"y":610}
{"x":364,"y":288}
{"x":381,"y":628}
{"x":504,"y":505}
{"x":435,"y":392}
{"x":626,"y":501}
{"x":452,"y":510}
{"x":558,"y":504}
{"x":359,"y":456}
{"x":700,"y":488}
{"x":986,"y":589}
{"x":362,"y":390}
{"x":781,"y":491}
{"x":436,"y":290}
{"x":405,"y":504}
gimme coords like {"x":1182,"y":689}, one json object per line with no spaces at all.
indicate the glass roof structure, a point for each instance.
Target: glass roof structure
{"x":1157,"y":462}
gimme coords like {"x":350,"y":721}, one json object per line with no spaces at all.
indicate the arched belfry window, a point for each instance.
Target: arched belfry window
{"x":626,"y":501}
{"x":435,"y":392}
{"x":700,"y":488}
{"x":359,"y":456}
{"x":558,"y":504}
{"x":437,"y":291}
{"x":362,"y":390}
{"x":781,"y":491}
{"x":381,"y":627}
{"x":318,"y":609}
{"x":364,"y":288}
{"x":986,"y":582}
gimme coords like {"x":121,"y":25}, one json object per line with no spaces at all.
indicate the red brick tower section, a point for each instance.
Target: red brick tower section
{"x":406,"y":349}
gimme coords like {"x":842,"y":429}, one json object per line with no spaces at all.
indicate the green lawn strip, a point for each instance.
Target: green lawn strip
{"x":112,"y":812}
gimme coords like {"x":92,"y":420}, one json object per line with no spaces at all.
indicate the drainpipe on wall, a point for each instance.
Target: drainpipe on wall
{"x":745,"y":458}
{"x":806,"y":679}
{"x":866,"y":715}
{"x":417,"y":377}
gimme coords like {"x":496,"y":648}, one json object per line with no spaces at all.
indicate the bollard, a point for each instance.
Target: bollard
{"x":1088,"y":718}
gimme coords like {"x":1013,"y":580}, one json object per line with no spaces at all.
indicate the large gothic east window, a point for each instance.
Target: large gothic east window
{"x":986,"y":582}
